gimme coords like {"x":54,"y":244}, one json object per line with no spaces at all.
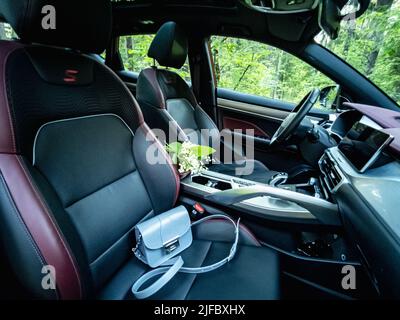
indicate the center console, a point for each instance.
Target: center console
{"x":299,"y":203}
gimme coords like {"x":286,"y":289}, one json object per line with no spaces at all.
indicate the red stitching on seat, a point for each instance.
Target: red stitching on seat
{"x":150,"y":74}
{"x":41,"y":226}
{"x":6,"y":48}
{"x":146,"y":130}
{"x":45,"y":209}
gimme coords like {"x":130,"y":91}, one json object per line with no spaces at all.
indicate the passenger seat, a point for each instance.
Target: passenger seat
{"x":167,"y":100}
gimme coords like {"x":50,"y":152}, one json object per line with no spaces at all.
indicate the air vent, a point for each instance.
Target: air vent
{"x":333,"y":177}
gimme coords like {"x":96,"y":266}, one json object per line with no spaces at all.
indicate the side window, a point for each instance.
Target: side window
{"x":133,"y":50}
{"x":258,"y":69}
{"x":6,"y":32}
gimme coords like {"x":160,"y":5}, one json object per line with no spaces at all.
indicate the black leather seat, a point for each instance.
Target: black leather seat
{"x":74,"y":178}
{"x":169,"y":104}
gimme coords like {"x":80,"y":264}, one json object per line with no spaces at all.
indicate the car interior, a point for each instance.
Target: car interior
{"x":77,"y":126}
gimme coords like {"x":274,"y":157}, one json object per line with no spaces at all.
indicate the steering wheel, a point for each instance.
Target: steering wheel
{"x":293,"y":120}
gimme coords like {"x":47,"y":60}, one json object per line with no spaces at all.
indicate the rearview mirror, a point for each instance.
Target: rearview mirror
{"x":329,"y":18}
{"x":332,"y":12}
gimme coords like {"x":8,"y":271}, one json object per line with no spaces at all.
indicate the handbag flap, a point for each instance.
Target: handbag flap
{"x":164,"y":228}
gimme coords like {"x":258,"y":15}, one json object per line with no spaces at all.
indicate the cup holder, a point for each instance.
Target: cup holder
{"x":212,"y":183}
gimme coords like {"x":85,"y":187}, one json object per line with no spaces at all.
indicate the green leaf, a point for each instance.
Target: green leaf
{"x":202,"y":151}
{"x":174,"y":148}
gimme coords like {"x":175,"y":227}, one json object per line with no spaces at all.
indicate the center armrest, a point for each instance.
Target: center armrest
{"x":326,"y":212}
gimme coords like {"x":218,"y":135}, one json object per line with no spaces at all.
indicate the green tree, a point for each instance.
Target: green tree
{"x":255,"y":68}
{"x":371,"y":45}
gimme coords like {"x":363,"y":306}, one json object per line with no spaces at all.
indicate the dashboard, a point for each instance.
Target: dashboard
{"x":368,"y":201}
{"x":378,"y":184}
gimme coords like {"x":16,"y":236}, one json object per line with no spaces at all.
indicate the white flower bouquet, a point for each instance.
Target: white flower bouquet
{"x":189,"y":157}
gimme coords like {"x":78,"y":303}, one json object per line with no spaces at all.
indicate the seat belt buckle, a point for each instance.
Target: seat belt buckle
{"x":197,"y":211}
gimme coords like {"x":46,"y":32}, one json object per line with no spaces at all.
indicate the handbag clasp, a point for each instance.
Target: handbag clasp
{"x":171,"y":246}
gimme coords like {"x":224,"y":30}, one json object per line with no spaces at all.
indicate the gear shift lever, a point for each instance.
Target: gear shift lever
{"x":278,"y":179}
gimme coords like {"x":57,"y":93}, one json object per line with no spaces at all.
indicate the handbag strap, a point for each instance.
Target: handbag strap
{"x":177,"y":265}
{"x":167,"y":274}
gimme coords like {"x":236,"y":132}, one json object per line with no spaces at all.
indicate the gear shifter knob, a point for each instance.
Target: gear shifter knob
{"x":278,"y":179}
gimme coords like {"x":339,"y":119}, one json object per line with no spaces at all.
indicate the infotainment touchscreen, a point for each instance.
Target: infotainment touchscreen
{"x":363,"y":144}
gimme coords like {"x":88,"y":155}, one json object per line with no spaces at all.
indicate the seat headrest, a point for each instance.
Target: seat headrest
{"x":169,"y":46}
{"x":82,"y":25}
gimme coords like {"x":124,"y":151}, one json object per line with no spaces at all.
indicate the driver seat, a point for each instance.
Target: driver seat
{"x":167,"y":100}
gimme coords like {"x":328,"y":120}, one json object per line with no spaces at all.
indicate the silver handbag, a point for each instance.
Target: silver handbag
{"x":158,"y":242}
{"x":162,"y":237}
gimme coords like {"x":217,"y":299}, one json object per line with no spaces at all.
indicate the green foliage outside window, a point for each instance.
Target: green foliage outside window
{"x":371,"y":44}
{"x":256,"y":68}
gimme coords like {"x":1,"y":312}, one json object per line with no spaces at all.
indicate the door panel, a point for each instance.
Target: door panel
{"x":263,"y":113}
{"x":264,"y":116}
{"x":232,"y":124}
{"x":264,"y":120}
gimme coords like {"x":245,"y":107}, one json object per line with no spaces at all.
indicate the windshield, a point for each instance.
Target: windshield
{"x":371,"y":44}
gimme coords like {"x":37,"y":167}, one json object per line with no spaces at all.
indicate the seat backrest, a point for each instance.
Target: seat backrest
{"x":167,"y":101}
{"x":75,"y":175}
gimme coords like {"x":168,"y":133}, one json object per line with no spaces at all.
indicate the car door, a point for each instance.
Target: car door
{"x":257,"y":87}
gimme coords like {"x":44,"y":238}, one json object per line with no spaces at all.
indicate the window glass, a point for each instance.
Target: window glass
{"x":133,"y":50}
{"x":258,"y":69}
{"x":370,"y":44}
